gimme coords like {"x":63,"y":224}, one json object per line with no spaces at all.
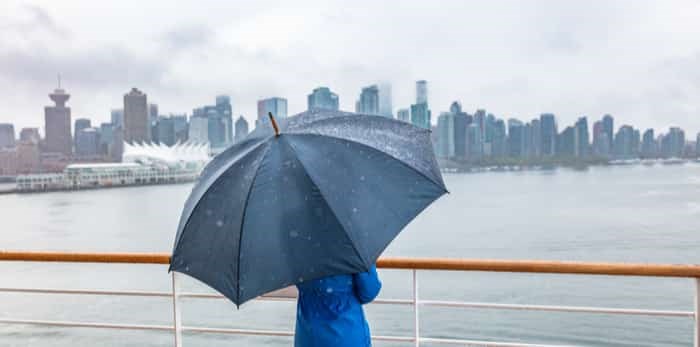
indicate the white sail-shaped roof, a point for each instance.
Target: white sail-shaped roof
{"x":181,"y":154}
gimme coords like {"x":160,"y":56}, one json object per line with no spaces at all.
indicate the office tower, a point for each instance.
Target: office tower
{"x":499,"y":147}
{"x":601,"y":145}
{"x":152,"y":114}
{"x":199,"y":129}
{"x":420,"y":115}
{"x":219,"y":122}
{"x":29,"y":135}
{"x":7,"y":135}
{"x":697,"y":145}
{"x":567,"y":142}
{"x":404,"y":114}
{"x":648,"y":144}
{"x":673,"y":143}
{"x":136,"y":118}
{"x":276,"y":105}
{"x":164,"y":131}
{"x":535,"y":139}
{"x":516,"y":138}
{"x":480,"y":121}
{"x":582,"y":138}
{"x":446,"y":135}
{"x":609,"y":128}
{"x":57,"y":122}
{"x":322,"y":98}
{"x":548,"y":126}
{"x":80,"y":124}
{"x":385,"y":105}
{"x":117,"y":118}
{"x":87,"y":142}
{"x":475,"y":143}
{"x":106,"y":131}
{"x":181,"y":127}
{"x":241,"y":129}
{"x":421,"y":92}
{"x":461,"y":121}
{"x":623,"y":142}
{"x":368,"y":103}
{"x":636,"y":143}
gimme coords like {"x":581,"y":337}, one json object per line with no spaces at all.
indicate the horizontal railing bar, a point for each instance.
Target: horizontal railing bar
{"x":85,"y":324}
{"x":447,"y":264}
{"x":436,"y":303}
{"x":252,"y":332}
{"x":485,"y":343}
{"x":552,"y":308}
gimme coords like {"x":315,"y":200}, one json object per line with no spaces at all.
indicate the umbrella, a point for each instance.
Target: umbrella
{"x":323,"y":193}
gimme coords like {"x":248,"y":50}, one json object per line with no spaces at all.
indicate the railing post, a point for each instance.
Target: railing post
{"x":696,"y":323}
{"x":416,"y":321}
{"x":177,"y":318}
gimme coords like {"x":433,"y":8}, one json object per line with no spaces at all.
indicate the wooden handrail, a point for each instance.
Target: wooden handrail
{"x":449,"y":264}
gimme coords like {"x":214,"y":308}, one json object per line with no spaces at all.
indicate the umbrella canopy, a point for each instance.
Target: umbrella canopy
{"x":324,"y":197}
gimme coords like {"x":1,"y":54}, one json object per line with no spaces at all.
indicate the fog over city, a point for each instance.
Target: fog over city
{"x":639,"y":61}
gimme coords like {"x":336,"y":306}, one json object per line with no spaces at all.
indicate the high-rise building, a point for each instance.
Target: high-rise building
{"x":242,"y":129}
{"x":480,"y":120}
{"x":165,"y":131}
{"x":567,"y":142}
{"x":499,"y":146}
{"x":106,"y":138}
{"x":420,"y":115}
{"x":199,"y":129}
{"x":87,"y":142}
{"x":601,"y":140}
{"x":117,"y":117}
{"x":7,"y":135}
{"x":29,"y":135}
{"x":548,"y":133}
{"x":421,"y":92}
{"x":368,"y":103}
{"x":623,"y":146}
{"x":57,"y":122}
{"x":29,"y":156}
{"x":80,"y":124}
{"x":219,"y":121}
{"x":582,"y":138}
{"x":609,"y":128}
{"x":475,"y":143}
{"x":516,"y":138}
{"x":673,"y":143}
{"x":181,"y":127}
{"x":137,"y":127}
{"x":535,"y":139}
{"x":648,"y":144}
{"x":152,"y":114}
{"x":8,"y":161}
{"x":322,"y":98}
{"x":385,"y":105}
{"x":404,"y":114}
{"x":446,"y":135}
{"x":697,"y":145}
{"x":461,"y":121}
{"x":276,"y":105}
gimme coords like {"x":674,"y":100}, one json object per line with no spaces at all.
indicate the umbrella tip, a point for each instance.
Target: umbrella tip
{"x":274,"y":124}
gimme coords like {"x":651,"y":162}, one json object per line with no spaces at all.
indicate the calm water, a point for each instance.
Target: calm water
{"x":631,"y":214}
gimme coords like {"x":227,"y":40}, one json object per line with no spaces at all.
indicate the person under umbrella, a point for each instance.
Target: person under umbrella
{"x":312,"y":201}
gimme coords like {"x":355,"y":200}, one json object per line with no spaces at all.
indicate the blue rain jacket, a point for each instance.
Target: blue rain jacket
{"x":329,"y":310}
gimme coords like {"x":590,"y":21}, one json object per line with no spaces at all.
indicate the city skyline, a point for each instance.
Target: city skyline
{"x":569,"y":59}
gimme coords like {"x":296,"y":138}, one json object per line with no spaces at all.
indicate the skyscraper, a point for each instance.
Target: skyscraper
{"x":601,"y":140}
{"x":673,"y":143}
{"x":152,"y":114}
{"x":461,"y":121}
{"x":219,"y":121}
{"x":421,"y":92}
{"x":516,"y":138}
{"x":29,"y":135}
{"x":446,"y":135}
{"x":57,"y":122}
{"x":609,"y":128}
{"x":117,"y":117}
{"x":199,"y":129}
{"x":80,"y":124}
{"x":404,"y":114}
{"x":164,"y":131}
{"x":548,"y":133}
{"x":623,"y":143}
{"x":241,"y":129}
{"x":385,"y":105}
{"x":567,"y":142}
{"x":276,"y":105}
{"x":137,"y":127}
{"x":322,"y":98}
{"x":7,"y":135}
{"x":582,"y":138}
{"x":368,"y":103}
{"x":648,"y":144}
{"x":475,"y":143}
{"x":420,"y":115}
{"x":87,"y":142}
{"x":106,"y":138}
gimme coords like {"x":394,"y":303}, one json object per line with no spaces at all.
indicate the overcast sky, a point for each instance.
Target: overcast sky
{"x":639,"y":61}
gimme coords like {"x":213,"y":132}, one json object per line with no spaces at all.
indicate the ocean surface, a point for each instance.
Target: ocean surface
{"x":622,"y":214}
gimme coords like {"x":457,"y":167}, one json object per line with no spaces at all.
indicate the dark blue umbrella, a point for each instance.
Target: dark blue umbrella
{"x":324,"y":196}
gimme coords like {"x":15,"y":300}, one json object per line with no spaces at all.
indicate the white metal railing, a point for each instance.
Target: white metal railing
{"x":419,"y":265}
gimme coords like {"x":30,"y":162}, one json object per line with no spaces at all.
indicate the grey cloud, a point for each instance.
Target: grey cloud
{"x":186,"y":37}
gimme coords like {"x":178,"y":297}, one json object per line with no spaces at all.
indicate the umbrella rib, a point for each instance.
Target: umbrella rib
{"x":354,"y":247}
{"x":240,"y":237}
